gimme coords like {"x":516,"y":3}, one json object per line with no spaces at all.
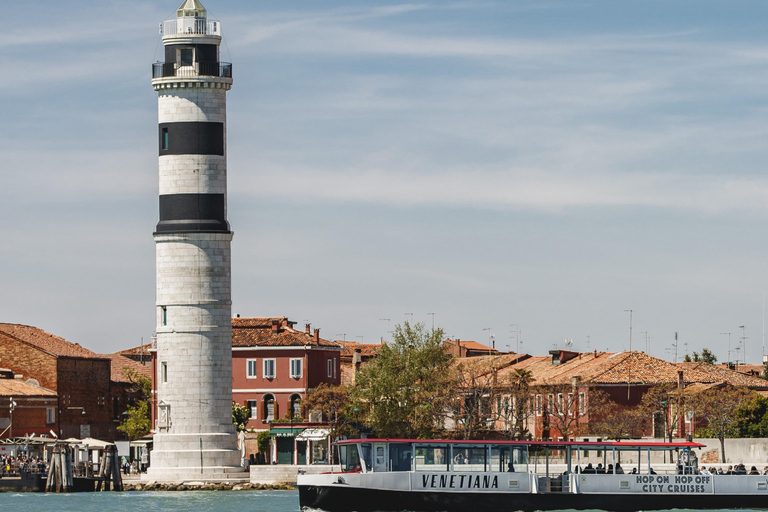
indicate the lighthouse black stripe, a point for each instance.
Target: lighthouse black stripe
{"x":183,"y":213}
{"x":191,"y":138}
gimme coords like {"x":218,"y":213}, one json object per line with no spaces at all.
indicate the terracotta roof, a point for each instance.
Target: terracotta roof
{"x":119,"y":363}
{"x":137,"y":351}
{"x":471,"y":345}
{"x":46,"y":341}
{"x":367,"y":350}
{"x":272,"y":332}
{"x":614,"y":368}
{"x":717,"y":373}
{"x":16,"y":387}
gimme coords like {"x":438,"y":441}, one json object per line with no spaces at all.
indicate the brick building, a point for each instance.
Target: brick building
{"x":564,"y":377}
{"x":25,"y":407}
{"x":355,"y":356}
{"x":93,"y":389}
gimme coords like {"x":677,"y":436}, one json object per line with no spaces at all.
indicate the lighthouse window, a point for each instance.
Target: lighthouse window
{"x":186,"y":56}
{"x":164,"y":139}
{"x":163,"y":372}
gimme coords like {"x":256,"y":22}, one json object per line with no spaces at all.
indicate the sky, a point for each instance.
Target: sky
{"x":541,"y":166}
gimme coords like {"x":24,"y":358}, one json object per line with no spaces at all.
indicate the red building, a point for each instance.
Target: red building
{"x":25,"y":407}
{"x":93,"y":389}
{"x":275,"y":365}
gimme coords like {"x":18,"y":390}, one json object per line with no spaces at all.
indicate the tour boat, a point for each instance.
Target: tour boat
{"x":484,"y":476}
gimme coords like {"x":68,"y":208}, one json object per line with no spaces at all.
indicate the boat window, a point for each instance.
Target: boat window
{"x":348,"y":457}
{"x":433,"y":457}
{"x":400,"y":457}
{"x":470,"y":458}
{"x":366,"y":456}
{"x":509,"y":458}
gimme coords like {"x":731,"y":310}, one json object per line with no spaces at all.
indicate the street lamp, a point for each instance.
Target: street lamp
{"x":664,"y":432}
{"x":10,"y":427}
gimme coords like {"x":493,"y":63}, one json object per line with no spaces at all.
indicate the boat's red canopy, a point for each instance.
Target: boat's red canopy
{"x":619,"y":445}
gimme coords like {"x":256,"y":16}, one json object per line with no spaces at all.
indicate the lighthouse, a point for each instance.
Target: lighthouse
{"x":194,"y":436}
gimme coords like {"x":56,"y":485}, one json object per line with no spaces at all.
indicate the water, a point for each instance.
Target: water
{"x":151,"y":501}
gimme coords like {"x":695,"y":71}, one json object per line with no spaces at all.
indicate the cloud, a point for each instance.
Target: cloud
{"x":514,"y":189}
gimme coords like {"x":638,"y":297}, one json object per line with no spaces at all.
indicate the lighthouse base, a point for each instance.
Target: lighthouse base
{"x":182,"y":458}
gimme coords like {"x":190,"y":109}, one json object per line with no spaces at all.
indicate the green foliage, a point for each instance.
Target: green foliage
{"x":137,"y":421}
{"x":752,"y":418}
{"x":404,"y":391}
{"x":706,"y":356}
{"x":334,"y":404}
{"x":262,"y":441}
{"x":240,"y":416}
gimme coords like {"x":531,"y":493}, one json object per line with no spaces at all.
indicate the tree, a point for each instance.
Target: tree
{"x":240,"y":416}
{"x":519,"y":407}
{"x":404,"y":391}
{"x":474,"y":383}
{"x":752,"y":418}
{"x":334,"y":404}
{"x":561,"y":409}
{"x":137,"y":420}
{"x":718,"y":406}
{"x":706,"y":356}
{"x":613,"y":421}
{"x":665,"y":401}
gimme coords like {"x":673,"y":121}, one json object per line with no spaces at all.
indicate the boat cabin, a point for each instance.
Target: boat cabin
{"x":550,"y":463}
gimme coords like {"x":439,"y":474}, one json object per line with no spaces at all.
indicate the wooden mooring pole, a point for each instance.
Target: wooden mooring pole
{"x":109,"y":472}
{"x":60,"y":478}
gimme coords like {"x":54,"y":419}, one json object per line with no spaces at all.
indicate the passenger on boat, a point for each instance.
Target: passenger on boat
{"x":600,"y":468}
{"x":619,"y":469}
{"x":765,"y":470}
{"x":589,"y":469}
{"x":740,"y":470}
{"x":510,"y":467}
{"x":704,"y":471}
{"x":753,"y":471}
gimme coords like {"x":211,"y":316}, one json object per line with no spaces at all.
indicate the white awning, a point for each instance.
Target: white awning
{"x":314,"y":434}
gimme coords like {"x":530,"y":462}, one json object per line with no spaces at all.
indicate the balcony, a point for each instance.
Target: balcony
{"x":194,"y":70}
{"x":197,"y":26}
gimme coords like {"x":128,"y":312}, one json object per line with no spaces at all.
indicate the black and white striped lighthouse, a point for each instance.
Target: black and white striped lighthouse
{"x":194,"y":438}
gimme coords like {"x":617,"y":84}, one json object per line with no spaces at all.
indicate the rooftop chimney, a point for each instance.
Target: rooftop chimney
{"x":306,"y":328}
{"x":317,"y":335}
{"x":275,"y":325}
{"x":357,"y":358}
{"x":680,"y":380}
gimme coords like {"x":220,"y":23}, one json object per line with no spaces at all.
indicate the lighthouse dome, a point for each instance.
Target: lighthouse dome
{"x":191,"y":9}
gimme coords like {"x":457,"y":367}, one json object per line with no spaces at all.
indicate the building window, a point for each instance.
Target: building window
{"x":253,"y":406}
{"x":538,"y":405}
{"x":163,"y":372}
{"x":582,"y":404}
{"x":269,"y":408}
{"x":251,"y":368}
{"x":50,"y":415}
{"x":295,"y":406}
{"x":269,"y":368}
{"x":163,"y":315}
{"x":334,"y":367}
{"x":164,"y":141}
{"x":296,"y":368}
{"x":330,"y":368}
